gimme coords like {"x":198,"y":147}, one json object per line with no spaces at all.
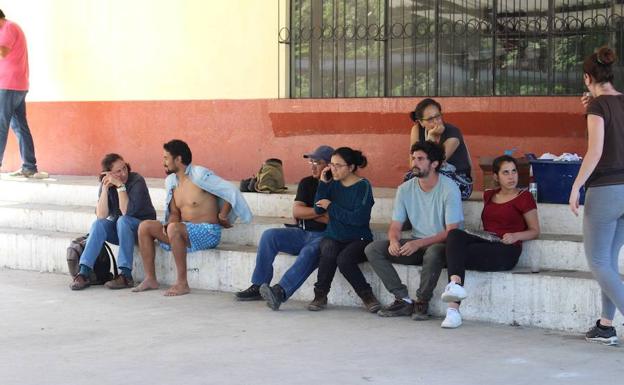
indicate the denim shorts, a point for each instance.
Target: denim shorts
{"x":202,"y":236}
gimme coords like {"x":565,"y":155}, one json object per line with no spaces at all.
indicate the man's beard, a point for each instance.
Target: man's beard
{"x":418,"y":173}
{"x":169,"y":171}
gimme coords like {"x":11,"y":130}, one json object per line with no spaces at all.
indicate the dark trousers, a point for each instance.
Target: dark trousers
{"x":345,"y":256}
{"x":465,"y":251}
{"x":431,"y":258}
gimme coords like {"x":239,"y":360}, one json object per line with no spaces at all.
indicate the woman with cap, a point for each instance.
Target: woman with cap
{"x":428,"y":125}
{"x":602,"y":173}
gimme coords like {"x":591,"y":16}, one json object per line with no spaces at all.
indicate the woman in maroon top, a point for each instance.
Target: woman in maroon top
{"x":508,"y":213}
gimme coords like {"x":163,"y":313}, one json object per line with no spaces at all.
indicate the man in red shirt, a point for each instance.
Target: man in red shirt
{"x":13,"y":90}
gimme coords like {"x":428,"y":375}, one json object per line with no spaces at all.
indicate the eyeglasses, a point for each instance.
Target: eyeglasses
{"x":120,"y":170}
{"x":337,"y":165}
{"x":317,"y":163}
{"x":431,"y":118}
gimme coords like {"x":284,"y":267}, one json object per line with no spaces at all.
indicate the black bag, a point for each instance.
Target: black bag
{"x":248,"y":185}
{"x":101,"y":268}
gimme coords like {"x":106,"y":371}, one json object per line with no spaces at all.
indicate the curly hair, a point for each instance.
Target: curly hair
{"x":434,"y":151}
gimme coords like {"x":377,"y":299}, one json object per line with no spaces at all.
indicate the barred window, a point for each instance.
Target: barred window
{"x":383,"y":48}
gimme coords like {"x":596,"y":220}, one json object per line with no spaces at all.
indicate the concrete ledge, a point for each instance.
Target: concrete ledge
{"x":38,"y":219}
{"x":82,"y":191}
{"x":35,"y":249}
{"x":551,"y":251}
{"x":560,"y":300}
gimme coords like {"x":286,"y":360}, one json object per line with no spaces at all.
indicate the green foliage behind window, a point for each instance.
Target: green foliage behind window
{"x":376,"y":48}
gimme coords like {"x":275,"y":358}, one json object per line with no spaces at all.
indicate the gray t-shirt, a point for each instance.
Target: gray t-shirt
{"x":429,"y":212}
{"x":139,"y":201}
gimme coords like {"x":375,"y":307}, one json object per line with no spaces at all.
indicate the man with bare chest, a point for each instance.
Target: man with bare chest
{"x":198,"y":205}
{"x":194,"y":204}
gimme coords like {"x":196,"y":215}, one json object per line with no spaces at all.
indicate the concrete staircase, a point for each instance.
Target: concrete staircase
{"x":38,"y":219}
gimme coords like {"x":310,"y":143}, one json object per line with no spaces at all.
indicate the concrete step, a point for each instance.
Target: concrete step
{"x":549,"y":252}
{"x":78,"y":219}
{"x":82,"y":191}
{"x":555,"y":299}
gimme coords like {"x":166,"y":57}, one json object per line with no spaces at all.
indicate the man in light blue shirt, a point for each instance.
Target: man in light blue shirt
{"x":432,"y":203}
{"x":198,"y":205}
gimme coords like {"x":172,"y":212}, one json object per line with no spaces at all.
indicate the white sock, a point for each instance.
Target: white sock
{"x":408,"y":300}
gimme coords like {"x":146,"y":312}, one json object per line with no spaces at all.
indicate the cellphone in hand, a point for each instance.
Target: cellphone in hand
{"x":329,"y":175}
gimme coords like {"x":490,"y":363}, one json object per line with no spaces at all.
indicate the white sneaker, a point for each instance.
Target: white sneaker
{"x":454,"y":293}
{"x":452,"y":320}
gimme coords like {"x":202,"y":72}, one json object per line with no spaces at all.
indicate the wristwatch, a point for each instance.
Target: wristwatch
{"x":121,"y":188}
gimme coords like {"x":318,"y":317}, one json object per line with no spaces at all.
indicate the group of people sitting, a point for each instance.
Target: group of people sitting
{"x":332,"y":209}
{"x":430,"y":199}
{"x":199,"y":204}
{"x":333,"y":212}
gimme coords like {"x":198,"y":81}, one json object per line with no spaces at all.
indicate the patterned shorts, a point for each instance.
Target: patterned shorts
{"x":202,"y":236}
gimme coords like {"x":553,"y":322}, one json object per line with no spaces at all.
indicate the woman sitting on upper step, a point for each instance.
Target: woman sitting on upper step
{"x":429,"y":125}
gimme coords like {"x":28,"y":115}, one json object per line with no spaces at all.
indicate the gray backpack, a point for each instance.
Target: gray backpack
{"x":101,"y":268}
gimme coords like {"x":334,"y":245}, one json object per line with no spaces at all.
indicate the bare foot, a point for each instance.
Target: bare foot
{"x":148,"y":284}
{"x":177,"y":289}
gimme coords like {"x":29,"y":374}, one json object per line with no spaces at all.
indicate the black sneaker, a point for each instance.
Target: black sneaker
{"x":252,"y":293}
{"x":273,"y":295}
{"x":421,"y":311}
{"x":603,"y":334}
{"x":396,"y":309}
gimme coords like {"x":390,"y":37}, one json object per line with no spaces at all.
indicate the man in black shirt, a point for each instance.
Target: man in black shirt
{"x":302,"y":240}
{"x":123,"y":202}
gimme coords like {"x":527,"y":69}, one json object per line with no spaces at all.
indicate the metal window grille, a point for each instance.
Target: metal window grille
{"x":385,"y":48}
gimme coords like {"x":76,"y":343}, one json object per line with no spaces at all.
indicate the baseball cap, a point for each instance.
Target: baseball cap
{"x":321,"y":153}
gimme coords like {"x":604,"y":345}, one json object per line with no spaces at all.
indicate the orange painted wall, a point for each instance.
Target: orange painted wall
{"x":234,"y":136}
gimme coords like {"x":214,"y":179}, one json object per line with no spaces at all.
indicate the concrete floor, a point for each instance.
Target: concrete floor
{"x":50,"y":335}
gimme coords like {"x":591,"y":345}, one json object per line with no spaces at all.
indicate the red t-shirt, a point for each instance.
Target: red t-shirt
{"x":14,"y":67}
{"x":508,"y":217}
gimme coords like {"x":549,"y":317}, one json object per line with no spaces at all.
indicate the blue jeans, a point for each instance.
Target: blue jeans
{"x":294,"y":241}
{"x":13,"y":114}
{"x":122,"y":232}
